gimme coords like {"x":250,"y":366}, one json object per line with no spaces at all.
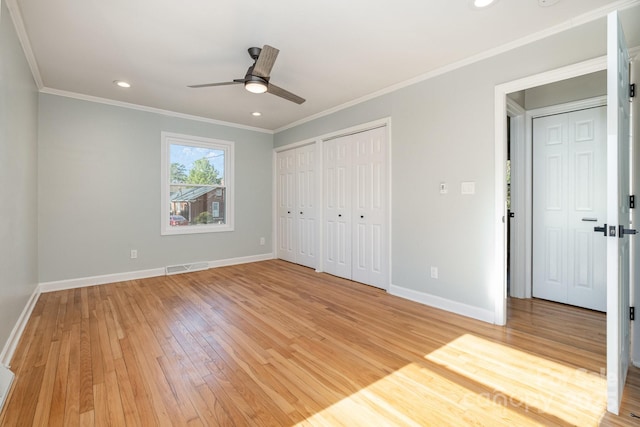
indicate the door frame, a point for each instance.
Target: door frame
{"x":500,"y":150}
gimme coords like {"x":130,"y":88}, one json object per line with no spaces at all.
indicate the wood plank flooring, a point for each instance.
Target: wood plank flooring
{"x":276,"y":344}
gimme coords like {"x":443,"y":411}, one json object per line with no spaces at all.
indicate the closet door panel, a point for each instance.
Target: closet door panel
{"x":285,"y":199}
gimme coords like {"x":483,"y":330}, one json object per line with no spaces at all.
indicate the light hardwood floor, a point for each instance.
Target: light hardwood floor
{"x":276,"y":344}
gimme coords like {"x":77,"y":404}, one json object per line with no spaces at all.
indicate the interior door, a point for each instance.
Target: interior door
{"x":306,"y":205}
{"x":569,"y":198}
{"x":285,"y":173}
{"x":618,"y":261}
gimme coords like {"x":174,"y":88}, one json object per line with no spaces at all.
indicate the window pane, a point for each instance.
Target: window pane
{"x":196,"y":186}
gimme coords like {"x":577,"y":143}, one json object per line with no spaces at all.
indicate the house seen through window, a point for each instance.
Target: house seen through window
{"x":196,"y":194}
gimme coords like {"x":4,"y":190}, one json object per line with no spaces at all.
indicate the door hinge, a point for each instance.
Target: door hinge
{"x":632,"y":202}
{"x":632,"y":90}
{"x":632,"y":313}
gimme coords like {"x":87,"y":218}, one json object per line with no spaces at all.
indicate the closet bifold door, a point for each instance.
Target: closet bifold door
{"x":285,"y":199}
{"x":369,"y":207}
{"x":306,"y":223}
{"x":296,"y":205}
{"x":355,"y":207}
{"x":337,"y":207}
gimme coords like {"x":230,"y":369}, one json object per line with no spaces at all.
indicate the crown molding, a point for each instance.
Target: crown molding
{"x":160,"y":111}
{"x":18,"y":23}
{"x":572,"y":23}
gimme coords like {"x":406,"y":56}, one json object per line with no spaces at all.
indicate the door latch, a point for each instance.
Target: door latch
{"x":622,"y":231}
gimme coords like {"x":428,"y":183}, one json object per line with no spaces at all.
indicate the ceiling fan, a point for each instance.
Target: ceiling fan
{"x":257,"y":78}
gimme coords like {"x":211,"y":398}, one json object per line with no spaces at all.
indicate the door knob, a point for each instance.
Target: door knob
{"x":288,"y":212}
{"x":300,"y":212}
{"x":602,"y":230}
{"x":339,"y":215}
{"x":362,"y":216}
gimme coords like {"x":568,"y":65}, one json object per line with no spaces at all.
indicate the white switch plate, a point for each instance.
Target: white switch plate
{"x":262,"y":241}
{"x":134,"y":253}
{"x":434,"y":272}
{"x":443,"y":188}
{"x":468,"y":187}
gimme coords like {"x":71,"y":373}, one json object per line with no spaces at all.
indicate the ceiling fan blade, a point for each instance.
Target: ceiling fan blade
{"x":235,"y":82}
{"x":278,"y":91}
{"x":265,"y":61}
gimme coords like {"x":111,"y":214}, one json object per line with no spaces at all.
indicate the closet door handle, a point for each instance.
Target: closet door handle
{"x":300,"y":212}
{"x":362,"y":216}
{"x":339,"y":215}
{"x":288,"y":212}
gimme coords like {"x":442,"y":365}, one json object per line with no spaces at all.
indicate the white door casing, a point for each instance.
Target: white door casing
{"x":569,"y":198}
{"x":618,"y":257}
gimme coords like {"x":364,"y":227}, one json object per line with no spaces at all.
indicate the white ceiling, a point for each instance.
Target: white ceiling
{"x":331,"y":52}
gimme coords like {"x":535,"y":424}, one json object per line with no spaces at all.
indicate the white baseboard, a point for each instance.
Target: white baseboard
{"x":443,"y":303}
{"x":240,"y":260}
{"x":60,"y":285}
{"x":6,"y":378}
{"x":14,"y":337}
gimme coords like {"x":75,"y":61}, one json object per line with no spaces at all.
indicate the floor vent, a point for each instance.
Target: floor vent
{"x":185,"y":268}
{"x":6,"y":378}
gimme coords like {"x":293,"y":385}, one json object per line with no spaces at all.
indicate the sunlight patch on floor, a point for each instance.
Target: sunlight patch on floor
{"x":473,"y":381}
{"x":523,"y":380}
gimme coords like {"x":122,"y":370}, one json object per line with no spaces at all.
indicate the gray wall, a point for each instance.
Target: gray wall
{"x":576,"y":89}
{"x":443,"y":130}
{"x":99,"y":191}
{"x":18,"y":176}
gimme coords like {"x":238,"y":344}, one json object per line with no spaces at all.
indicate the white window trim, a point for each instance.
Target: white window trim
{"x":169,"y":138}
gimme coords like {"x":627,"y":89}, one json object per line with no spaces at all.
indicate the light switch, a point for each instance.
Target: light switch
{"x":443,"y":188}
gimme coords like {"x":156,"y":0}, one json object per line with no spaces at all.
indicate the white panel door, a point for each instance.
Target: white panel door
{"x":337,"y":207}
{"x":618,"y":258}
{"x":285,"y":176}
{"x":369,"y":208}
{"x":569,"y":199}
{"x":306,"y":252}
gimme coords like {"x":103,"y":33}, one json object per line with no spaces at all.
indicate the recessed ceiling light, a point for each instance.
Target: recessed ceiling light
{"x":122,"y":83}
{"x":256,"y":114}
{"x":482,"y":3}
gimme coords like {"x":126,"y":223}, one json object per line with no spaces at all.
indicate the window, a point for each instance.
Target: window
{"x":197,"y":184}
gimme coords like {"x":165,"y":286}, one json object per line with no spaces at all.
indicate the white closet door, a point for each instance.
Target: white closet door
{"x":369,"y":206}
{"x":569,"y":199}
{"x":306,"y":206}
{"x":337,"y":207}
{"x":286,"y":167}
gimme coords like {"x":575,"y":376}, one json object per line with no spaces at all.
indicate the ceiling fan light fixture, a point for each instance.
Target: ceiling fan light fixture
{"x":255,"y":84}
{"x":482,"y":3}
{"x":122,"y":83}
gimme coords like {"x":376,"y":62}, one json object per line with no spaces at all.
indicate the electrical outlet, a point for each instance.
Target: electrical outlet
{"x":262,"y":241}
{"x":434,"y":272}
{"x":134,"y":253}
